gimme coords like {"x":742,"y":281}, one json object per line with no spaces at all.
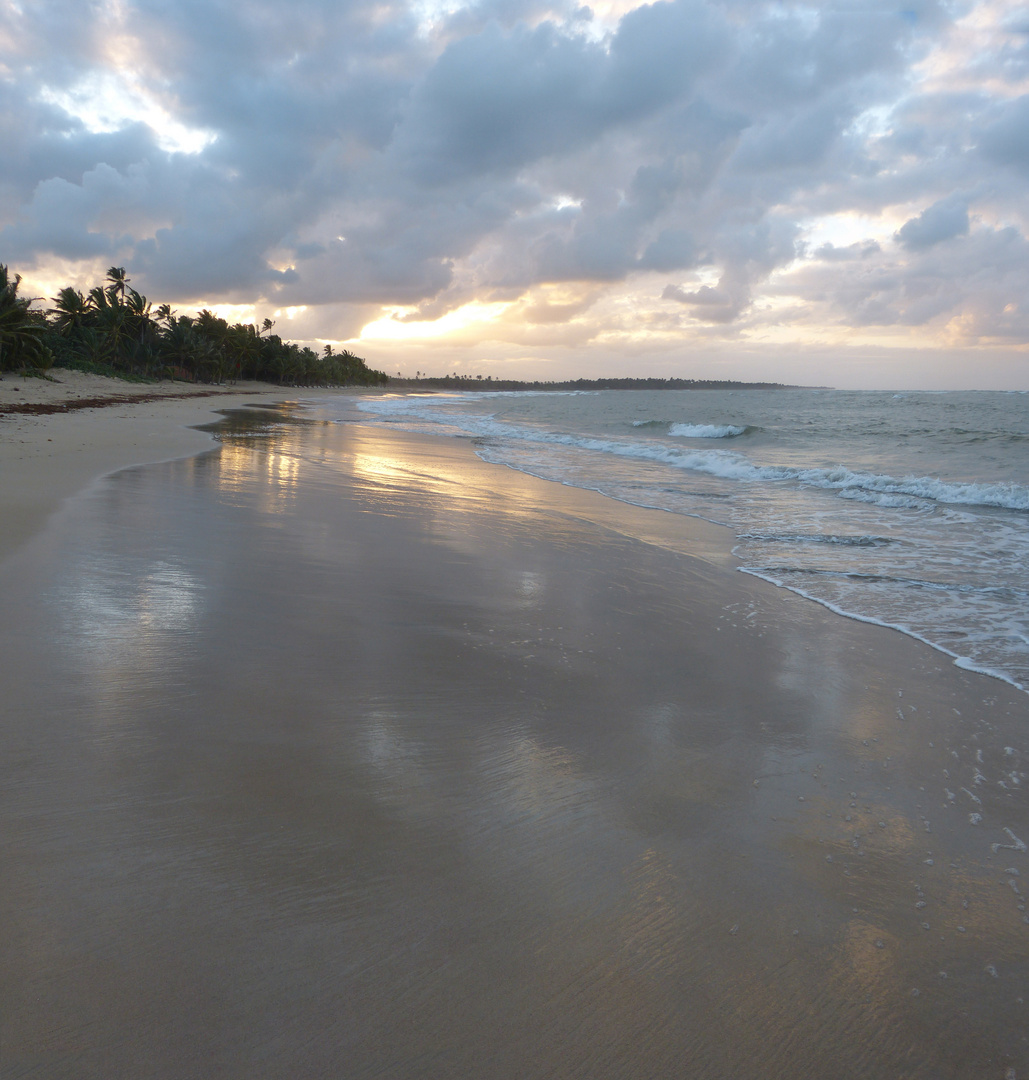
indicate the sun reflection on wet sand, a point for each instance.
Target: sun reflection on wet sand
{"x":279,"y":478}
{"x":447,"y":772}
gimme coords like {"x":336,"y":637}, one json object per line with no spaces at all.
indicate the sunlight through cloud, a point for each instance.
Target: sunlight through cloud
{"x":108,"y":101}
{"x":393,"y":327}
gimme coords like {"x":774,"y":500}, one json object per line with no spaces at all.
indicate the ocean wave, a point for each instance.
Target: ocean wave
{"x":879,"y":488}
{"x":885,"y":490}
{"x":909,"y":492}
{"x":680,"y":430}
{"x":939,"y":557}
{"x":705,"y":431}
{"x":889,"y":500}
{"x":820,"y":538}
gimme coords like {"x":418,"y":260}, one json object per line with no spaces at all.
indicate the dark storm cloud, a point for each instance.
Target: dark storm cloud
{"x":360,"y":153}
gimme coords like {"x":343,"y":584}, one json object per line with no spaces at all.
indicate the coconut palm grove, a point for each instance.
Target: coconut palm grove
{"x":114,"y":330}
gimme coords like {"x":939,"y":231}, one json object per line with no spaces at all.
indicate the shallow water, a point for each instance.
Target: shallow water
{"x":910,"y":510}
{"x":340,"y":753}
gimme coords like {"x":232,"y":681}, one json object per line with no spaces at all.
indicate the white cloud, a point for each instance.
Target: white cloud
{"x":107,"y":101}
{"x":826,"y":170}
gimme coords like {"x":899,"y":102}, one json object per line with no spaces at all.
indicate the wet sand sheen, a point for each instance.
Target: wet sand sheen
{"x":340,"y":753}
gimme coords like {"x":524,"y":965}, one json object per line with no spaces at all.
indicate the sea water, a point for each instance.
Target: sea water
{"x":905,"y":509}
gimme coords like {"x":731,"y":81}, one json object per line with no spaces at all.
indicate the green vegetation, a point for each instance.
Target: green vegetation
{"x":466,"y":382}
{"x":21,"y":334}
{"x":113,"y":330}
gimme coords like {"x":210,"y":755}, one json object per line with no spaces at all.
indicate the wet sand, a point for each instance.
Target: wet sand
{"x":60,"y":433}
{"x":337,"y":752}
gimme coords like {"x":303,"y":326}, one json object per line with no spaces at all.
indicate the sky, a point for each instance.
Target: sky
{"x":830,"y":193}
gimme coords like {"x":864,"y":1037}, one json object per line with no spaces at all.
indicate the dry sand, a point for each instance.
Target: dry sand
{"x":342,"y":753}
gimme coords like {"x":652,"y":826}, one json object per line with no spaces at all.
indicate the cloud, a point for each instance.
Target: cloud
{"x":501,"y":99}
{"x":807,"y":166}
{"x":969,"y":290}
{"x":1005,"y":139}
{"x":862,"y":249}
{"x":943,"y":220}
{"x":721,"y":304}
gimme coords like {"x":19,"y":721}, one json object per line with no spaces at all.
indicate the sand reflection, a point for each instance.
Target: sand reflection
{"x":424,"y":773}
{"x":246,"y":467}
{"x":121,"y":619}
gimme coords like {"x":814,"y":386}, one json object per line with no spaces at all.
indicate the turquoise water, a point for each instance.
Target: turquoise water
{"x":906,"y":509}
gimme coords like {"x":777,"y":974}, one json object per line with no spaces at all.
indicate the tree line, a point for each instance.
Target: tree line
{"x":464,"y":382}
{"x":115,"y":330}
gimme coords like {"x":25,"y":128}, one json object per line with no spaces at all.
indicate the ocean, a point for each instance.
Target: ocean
{"x":910,"y":510}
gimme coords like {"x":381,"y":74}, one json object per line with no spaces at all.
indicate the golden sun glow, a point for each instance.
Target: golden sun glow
{"x":235,"y":313}
{"x":391,"y":326}
{"x":290,"y":312}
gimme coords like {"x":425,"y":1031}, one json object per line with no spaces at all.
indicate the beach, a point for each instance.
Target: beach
{"x":42,"y":461}
{"x":336,"y":750}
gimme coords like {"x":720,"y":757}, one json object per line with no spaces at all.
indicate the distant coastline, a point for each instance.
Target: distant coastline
{"x":466,"y":382}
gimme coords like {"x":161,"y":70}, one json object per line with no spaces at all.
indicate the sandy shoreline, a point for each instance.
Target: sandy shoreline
{"x":341,"y":752}
{"x":45,"y":456}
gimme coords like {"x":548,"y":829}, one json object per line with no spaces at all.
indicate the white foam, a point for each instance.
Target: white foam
{"x":705,"y":431}
{"x":941,"y":560}
{"x":879,"y":488}
{"x":959,"y":661}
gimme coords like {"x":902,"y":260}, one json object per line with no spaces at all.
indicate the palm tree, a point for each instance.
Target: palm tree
{"x":138,"y":308}
{"x":190,"y":353}
{"x":109,"y":319}
{"x":97,"y":299}
{"x":21,"y":333}
{"x":210,"y":324}
{"x":70,"y":310}
{"x":114,"y":324}
{"x":91,"y":345}
{"x":119,"y":281}
{"x":243,"y":347}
